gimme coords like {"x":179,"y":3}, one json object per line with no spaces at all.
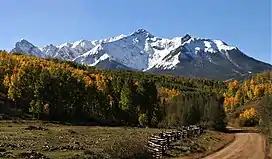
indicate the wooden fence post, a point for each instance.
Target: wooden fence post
{"x":168,"y":141}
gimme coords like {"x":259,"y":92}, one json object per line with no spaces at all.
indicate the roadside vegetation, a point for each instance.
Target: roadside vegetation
{"x":204,"y":145}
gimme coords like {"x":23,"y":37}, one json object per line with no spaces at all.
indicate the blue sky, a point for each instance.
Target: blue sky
{"x":242,"y":23}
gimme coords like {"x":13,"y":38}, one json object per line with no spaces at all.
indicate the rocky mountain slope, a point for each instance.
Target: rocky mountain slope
{"x":187,"y":55}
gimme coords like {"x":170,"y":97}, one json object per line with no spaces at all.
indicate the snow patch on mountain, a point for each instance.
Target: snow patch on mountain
{"x":195,"y":45}
{"x":194,"y":48}
{"x":101,"y":58}
{"x":159,"y":48}
{"x":170,"y":63}
{"x":223,"y":46}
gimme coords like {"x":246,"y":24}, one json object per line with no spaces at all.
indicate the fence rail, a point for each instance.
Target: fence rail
{"x":158,"y":144}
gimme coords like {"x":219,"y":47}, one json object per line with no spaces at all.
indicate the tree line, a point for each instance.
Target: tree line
{"x":51,"y":89}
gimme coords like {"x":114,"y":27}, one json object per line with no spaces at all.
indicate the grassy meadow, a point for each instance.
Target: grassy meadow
{"x":62,"y":141}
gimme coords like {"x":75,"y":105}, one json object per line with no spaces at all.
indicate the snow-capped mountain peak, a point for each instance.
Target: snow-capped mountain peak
{"x":142,"y":32}
{"x":22,"y":40}
{"x":25,"y":46}
{"x":141,"y":50}
{"x":24,"y":43}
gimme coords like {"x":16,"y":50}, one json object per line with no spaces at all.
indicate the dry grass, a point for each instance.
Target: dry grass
{"x":61,"y":141}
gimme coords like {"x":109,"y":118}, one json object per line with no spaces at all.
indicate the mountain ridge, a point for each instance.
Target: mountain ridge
{"x":143,"y":51}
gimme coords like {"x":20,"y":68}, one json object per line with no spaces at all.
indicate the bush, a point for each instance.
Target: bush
{"x":265,"y":109}
{"x":249,"y":118}
{"x":132,"y":149}
{"x":143,"y":120}
{"x":18,"y":53}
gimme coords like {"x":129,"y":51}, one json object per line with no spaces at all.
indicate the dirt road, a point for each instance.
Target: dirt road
{"x":245,"y":146}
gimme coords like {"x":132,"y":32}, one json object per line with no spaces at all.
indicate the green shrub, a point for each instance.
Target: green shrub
{"x":143,"y":120}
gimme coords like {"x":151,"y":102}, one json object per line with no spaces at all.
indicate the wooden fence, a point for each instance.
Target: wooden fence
{"x":158,"y":144}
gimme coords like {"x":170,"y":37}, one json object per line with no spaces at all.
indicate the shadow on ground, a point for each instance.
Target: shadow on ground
{"x":242,"y":130}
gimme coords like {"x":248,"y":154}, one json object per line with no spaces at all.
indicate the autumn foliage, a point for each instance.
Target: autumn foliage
{"x":52,"y":89}
{"x":257,"y":86}
{"x":249,"y":117}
